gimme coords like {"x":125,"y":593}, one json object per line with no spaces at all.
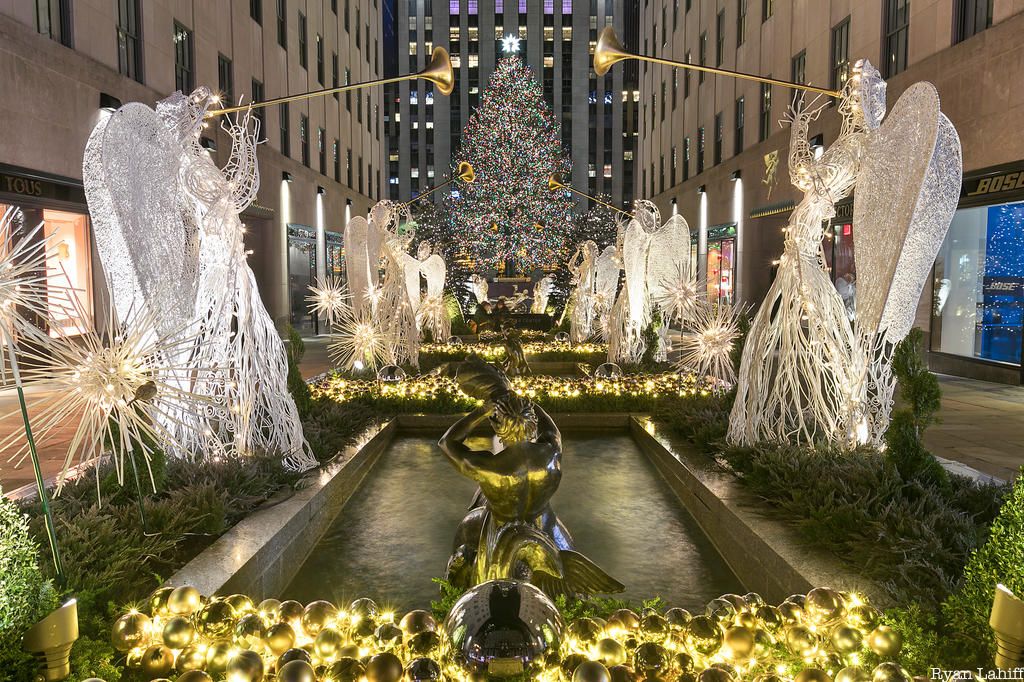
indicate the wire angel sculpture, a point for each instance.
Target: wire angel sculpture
{"x":541,"y":292}
{"x":581,"y":300}
{"x":807,"y":374}
{"x":478,"y":285}
{"x":169,"y":237}
{"x":433,"y":309}
{"x":650,"y":253}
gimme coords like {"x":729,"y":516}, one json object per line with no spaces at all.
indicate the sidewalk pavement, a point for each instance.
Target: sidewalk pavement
{"x":981,"y":425}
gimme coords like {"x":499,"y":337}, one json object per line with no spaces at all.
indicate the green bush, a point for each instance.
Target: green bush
{"x":999,"y":560}
{"x":295,"y":349}
{"x":25,"y":595}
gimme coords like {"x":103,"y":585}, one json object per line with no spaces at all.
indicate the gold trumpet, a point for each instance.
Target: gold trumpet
{"x":555,"y":182}
{"x":463,"y":172}
{"x":438,"y":71}
{"x":610,"y":51}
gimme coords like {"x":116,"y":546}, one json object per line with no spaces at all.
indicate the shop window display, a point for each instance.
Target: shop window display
{"x":979,"y":285}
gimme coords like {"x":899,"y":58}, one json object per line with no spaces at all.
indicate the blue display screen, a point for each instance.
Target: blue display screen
{"x":1002,"y":304}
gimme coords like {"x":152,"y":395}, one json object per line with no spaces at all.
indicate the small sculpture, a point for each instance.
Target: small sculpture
{"x":541,"y":292}
{"x":515,"y":357}
{"x":511,"y":531}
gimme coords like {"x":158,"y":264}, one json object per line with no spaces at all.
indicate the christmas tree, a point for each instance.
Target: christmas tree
{"x":514,"y":144}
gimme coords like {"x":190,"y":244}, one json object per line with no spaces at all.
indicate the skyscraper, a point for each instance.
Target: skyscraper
{"x":554,"y":37}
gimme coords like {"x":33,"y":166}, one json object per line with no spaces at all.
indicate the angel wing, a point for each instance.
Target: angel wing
{"x":357,"y":269}
{"x":434,"y":271}
{"x":606,"y":275}
{"x":635,"y":242}
{"x":146,"y":235}
{"x":668,"y":255}
{"x":907,"y":191}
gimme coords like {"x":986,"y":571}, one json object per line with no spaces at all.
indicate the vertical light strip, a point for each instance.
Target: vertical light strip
{"x":737,"y":216}
{"x":702,"y":247}
{"x":321,"y":244}
{"x":284,"y":312}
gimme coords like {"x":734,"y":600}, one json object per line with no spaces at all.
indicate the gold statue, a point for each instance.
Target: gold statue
{"x":511,"y":531}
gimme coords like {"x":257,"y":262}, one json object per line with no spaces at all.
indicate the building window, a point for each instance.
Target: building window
{"x":663,"y":100}
{"x":282,"y":23}
{"x":304,"y":138}
{"x":720,"y":39}
{"x":686,"y":159}
{"x":257,"y":96}
{"x":766,"y":112}
{"x":334,"y":72}
{"x":348,"y":167}
{"x":976,"y":307}
{"x":741,"y":22}
{"x":702,"y":55}
{"x":897,"y":28}
{"x":184,"y":70}
{"x":700,"y":150}
{"x":129,"y":52}
{"x":319,"y":59}
{"x":337,"y":160}
{"x":359,"y":109}
{"x":286,"y":133}
{"x":348,"y":10}
{"x":840,"y":70}
{"x":53,"y":19}
{"x":972,"y":17}
{"x":302,"y":40}
{"x":358,"y":21}
{"x":799,"y":71}
{"x":348,"y":93}
{"x":321,"y":149}
{"x":334,"y":7}
{"x":256,"y":11}
{"x":673,"y":163}
{"x":360,"y":165}
{"x":719,"y":135}
{"x":225,"y":79}
{"x":675,"y":87}
{"x":686,"y":77}
{"x":740,"y":116}
{"x":767,"y":10}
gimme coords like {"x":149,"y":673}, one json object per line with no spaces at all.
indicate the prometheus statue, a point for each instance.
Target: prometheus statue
{"x":511,"y":531}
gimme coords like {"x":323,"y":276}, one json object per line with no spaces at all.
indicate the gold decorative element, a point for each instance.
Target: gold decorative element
{"x":885,"y":641}
{"x":184,"y":600}
{"x":771,"y":165}
{"x":178,"y":632}
{"x":130,"y":631}
{"x":438,"y":71}
{"x":50,"y":642}
{"x":463,"y":172}
{"x":157,"y":661}
{"x":609,"y":51}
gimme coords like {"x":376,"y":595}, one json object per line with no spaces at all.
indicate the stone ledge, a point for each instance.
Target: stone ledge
{"x":420,"y":424}
{"x":765,"y":554}
{"x":260,"y":555}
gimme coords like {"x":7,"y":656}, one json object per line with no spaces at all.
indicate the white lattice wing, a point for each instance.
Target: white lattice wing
{"x":146,"y":237}
{"x":668,"y":256}
{"x":907,"y":191}
{"x":606,"y":275}
{"x":434,"y":271}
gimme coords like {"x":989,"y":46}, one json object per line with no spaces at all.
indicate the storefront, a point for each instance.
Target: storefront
{"x":302,"y":259}
{"x":58,"y":203}
{"x":837,"y":245}
{"x":721,"y":280}
{"x":978,"y":287}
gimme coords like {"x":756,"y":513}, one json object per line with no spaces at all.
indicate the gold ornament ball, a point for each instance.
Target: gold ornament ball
{"x":846,"y":639}
{"x":218,"y":653}
{"x":704,"y":635}
{"x":770,"y":617}
{"x":290,"y":611}
{"x":654,"y":624}
{"x":714,"y":675}
{"x":131,"y":631}
{"x":349,"y":651}
{"x":216,"y":619}
{"x":269,"y":610}
{"x":567,"y":666}
{"x":385,"y":667}
{"x":387,"y":635}
{"x":746,"y":618}
{"x":721,"y":610}
{"x":346,"y":669}
{"x":800,"y":639}
{"x":328,"y":644}
{"x":889,"y":672}
{"x":768,"y":678}
{"x":317,"y":616}
{"x":753,"y":600}
{"x":611,"y":652}
{"x":184,"y":600}
{"x":864,"y":617}
{"x":585,"y":630}
{"x":763,"y":640}
{"x":791,"y":612}
{"x":134,"y":659}
{"x":812,"y":674}
{"x":739,"y":641}
{"x":194,"y":676}
{"x":678,"y":618}
{"x":823,"y":606}
{"x":885,"y":641}
{"x":157,"y":661}
{"x":191,"y":658}
{"x":365,"y":608}
{"x":245,"y":666}
{"x":248,"y":631}
{"x":853,"y":673}
{"x":591,"y":671}
{"x":296,"y":671}
{"x":178,"y":632}
{"x":240,"y":603}
{"x":280,"y":638}
{"x":415,"y":622}
{"x":624,"y":619}
{"x":157,"y":602}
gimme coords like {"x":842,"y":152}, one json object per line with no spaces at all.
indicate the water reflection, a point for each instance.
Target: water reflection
{"x":396,"y":533}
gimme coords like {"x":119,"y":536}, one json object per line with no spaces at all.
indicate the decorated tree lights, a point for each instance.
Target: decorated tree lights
{"x":513,"y":142}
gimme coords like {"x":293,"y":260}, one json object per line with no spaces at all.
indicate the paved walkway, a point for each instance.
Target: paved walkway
{"x":982,"y":425}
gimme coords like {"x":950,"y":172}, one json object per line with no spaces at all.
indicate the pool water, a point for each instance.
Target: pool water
{"x":396,"y":532}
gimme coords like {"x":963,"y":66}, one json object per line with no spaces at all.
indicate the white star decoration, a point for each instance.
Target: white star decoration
{"x":510,"y":44}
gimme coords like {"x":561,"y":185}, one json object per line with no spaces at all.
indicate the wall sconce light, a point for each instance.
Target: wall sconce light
{"x":320,"y":190}
{"x":735,"y":176}
{"x":109,"y":102}
{"x":208,"y":143}
{"x":1007,"y":623}
{"x":702,"y":189}
{"x":286,"y":176}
